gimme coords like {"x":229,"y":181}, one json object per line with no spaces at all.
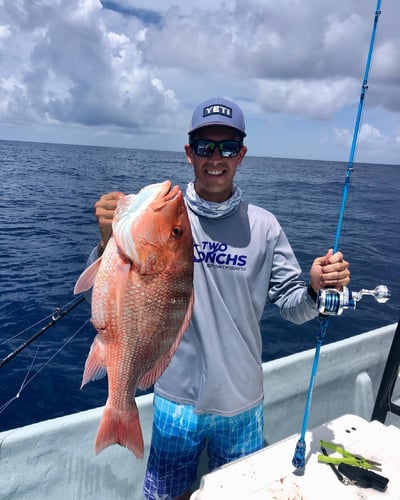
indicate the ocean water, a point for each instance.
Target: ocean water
{"x":48,"y":228}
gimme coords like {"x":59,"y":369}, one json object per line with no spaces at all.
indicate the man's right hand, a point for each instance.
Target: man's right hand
{"x":105,"y":208}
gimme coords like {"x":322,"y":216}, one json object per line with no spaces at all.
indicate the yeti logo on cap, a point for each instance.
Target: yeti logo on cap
{"x":217,"y":109}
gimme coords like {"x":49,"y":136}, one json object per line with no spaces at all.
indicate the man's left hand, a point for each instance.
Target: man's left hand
{"x":329,"y":271}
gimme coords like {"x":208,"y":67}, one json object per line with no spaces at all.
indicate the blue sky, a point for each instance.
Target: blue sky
{"x":128,"y":73}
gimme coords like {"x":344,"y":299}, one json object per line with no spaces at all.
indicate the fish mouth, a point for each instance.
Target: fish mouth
{"x":172,"y":192}
{"x":167,"y":193}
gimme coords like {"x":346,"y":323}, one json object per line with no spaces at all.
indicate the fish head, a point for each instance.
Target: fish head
{"x":152,"y":228}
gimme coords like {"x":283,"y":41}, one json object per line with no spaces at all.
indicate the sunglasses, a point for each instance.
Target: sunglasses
{"x":205,"y":148}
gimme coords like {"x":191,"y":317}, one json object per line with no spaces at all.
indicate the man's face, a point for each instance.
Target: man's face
{"x":214,"y":175}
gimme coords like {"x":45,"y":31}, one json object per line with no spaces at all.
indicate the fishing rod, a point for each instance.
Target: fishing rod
{"x":57,"y":315}
{"x":330,"y":301}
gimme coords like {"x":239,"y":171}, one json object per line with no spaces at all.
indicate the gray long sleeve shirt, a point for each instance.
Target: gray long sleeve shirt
{"x":240,"y":260}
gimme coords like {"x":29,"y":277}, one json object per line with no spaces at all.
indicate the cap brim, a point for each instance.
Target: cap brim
{"x":213,"y":124}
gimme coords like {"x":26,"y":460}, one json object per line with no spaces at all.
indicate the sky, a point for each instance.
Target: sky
{"x":129,"y":73}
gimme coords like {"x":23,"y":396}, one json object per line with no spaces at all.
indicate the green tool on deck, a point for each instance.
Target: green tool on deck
{"x":346,"y":458}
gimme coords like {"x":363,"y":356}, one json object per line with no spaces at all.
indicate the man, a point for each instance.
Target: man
{"x":212,"y":391}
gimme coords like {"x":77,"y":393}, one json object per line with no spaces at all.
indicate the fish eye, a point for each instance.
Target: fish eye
{"x":176,"y":232}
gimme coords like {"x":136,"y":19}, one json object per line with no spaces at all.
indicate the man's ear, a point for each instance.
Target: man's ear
{"x":188,"y":151}
{"x":242,"y":154}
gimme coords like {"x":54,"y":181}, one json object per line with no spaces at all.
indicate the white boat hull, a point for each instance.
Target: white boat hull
{"x":56,"y":458}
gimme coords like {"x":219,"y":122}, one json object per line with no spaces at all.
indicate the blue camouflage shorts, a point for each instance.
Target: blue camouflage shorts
{"x":179,"y":436}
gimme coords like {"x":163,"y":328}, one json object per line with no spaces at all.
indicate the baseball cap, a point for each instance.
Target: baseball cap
{"x":218,"y":111}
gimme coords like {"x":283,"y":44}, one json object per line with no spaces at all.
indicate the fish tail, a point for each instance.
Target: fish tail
{"x":121,"y":427}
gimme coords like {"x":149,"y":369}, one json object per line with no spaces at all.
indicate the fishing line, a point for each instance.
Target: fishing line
{"x":298,"y":460}
{"x":55,"y":317}
{"x":27,"y":381}
{"x":7,"y":403}
{"x":10,"y":339}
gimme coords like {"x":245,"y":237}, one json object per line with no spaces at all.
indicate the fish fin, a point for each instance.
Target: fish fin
{"x":87,"y":278}
{"x":120,"y":427}
{"x":155,"y":373}
{"x":95,"y":366}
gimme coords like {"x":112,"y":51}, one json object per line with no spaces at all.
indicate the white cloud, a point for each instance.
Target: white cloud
{"x":139,"y":67}
{"x":77,"y":71}
{"x":5,"y":32}
{"x":368,"y":133}
{"x":340,"y":32}
{"x":372,"y":142}
{"x":310,"y":98}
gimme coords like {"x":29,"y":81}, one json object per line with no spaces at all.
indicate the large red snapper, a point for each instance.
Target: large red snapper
{"x":142,"y":302}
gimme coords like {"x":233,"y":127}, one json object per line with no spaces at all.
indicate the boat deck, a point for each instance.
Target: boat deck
{"x":269,"y":474}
